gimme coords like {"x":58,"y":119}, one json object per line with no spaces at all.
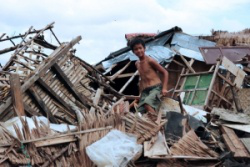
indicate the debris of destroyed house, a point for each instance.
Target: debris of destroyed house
{"x":57,"y":110}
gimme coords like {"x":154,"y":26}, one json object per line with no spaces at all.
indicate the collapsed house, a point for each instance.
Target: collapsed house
{"x":188,"y":59}
{"x":58,"y":110}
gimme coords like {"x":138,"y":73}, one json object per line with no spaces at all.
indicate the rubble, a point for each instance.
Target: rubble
{"x":58,"y":110}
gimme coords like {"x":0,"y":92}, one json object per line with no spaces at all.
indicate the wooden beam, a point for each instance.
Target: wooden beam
{"x":119,"y":72}
{"x":198,"y":73}
{"x":196,"y":85}
{"x":16,"y":94}
{"x":125,"y":75}
{"x":69,"y":84}
{"x":187,"y":64}
{"x":131,"y":97}
{"x":226,"y":79}
{"x":178,"y":63}
{"x":54,"y":95}
{"x":106,"y":86}
{"x":212,"y":83}
{"x":46,"y":111}
{"x":65,"y":135}
{"x":55,"y":141}
{"x":191,"y":90}
{"x":87,"y":66}
{"x":128,"y":82}
{"x":42,"y":69}
{"x":223,"y":98}
{"x":222,"y":90}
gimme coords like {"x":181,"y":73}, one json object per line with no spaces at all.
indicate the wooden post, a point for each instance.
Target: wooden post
{"x":187,"y":64}
{"x":16,"y":94}
{"x":212,"y":83}
{"x":96,"y":99}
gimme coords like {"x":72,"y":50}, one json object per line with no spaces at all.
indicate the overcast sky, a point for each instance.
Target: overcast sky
{"x":104,"y":23}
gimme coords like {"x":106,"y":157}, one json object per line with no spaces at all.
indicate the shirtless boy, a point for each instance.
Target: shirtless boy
{"x":151,"y":83}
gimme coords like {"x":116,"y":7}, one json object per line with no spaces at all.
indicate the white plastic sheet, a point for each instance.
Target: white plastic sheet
{"x":16,"y":120}
{"x":197,"y":113}
{"x":115,"y":149}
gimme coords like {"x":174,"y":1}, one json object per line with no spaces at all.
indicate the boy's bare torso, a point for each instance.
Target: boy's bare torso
{"x":148,"y":74}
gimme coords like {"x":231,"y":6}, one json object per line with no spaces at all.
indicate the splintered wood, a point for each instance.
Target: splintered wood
{"x":191,"y":145}
{"x":142,"y":127}
{"x":42,"y":146}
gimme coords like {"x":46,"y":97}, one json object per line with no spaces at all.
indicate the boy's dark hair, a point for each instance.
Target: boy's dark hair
{"x":135,"y":42}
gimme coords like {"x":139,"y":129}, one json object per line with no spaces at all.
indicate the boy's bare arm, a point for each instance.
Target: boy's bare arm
{"x":164,"y":73}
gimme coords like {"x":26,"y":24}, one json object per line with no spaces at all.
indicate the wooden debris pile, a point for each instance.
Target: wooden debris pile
{"x":45,"y":80}
{"x":54,"y":85}
{"x":204,"y":75}
{"x":41,"y":146}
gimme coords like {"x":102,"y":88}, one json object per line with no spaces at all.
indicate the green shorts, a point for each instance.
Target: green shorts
{"x":149,"y":96}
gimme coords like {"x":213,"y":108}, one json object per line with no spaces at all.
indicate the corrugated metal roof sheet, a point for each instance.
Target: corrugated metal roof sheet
{"x":163,"y":47}
{"x":159,"y":53}
{"x":190,"y":42}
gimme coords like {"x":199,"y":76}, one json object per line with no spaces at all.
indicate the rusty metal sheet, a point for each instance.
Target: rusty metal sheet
{"x":234,"y":54}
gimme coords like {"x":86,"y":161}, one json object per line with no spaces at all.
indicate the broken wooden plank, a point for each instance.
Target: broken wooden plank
{"x":120,"y":71}
{"x":106,"y":86}
{"x":159,"y":147}
{"x":236,"y":71}
{"x":128,"y":82}
{"x":66,"y":135}
{"x":46,"y":111}
{"x":233,"y":143}
{"x":131,"y":97}
{"x":16,"y":93}
{"x":55,"y":141}
{"x":87,"y":66}
{"x":125,"y":75}
{"x":96,"y":99}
